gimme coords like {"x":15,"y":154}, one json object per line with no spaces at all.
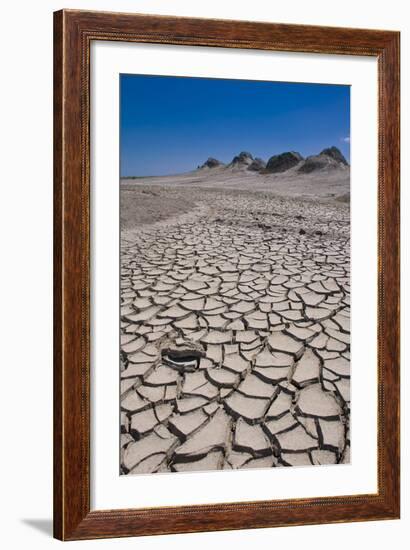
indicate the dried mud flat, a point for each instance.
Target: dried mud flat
{"x":235,"y":330}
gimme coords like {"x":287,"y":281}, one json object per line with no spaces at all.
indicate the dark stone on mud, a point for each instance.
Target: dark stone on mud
{"x":183,"y":357}
{"x":187,"y":352}
{"x":302,"y":232}
{"x":283,"y":162}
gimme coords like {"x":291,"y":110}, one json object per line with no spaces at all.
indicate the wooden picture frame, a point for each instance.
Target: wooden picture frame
{"x":74,"y":32}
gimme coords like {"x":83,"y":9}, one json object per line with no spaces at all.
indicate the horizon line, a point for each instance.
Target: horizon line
{"x":226,"y":163}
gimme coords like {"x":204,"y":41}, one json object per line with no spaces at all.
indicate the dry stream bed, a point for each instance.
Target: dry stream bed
{"x":235,"y":330}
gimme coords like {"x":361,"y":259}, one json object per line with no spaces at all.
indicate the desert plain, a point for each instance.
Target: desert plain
{"x":235,"y":316}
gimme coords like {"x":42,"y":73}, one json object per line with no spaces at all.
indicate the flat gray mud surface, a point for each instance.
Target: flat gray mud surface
{"x":141,"y":205}
{"x":235,"y":328}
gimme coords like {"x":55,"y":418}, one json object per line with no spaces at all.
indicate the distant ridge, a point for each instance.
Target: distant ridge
{"x":241,"y":161}
{"x":330,"y":158}
{"x":283,"y":162}
{"x":257,"y":165}
{"x":210,"y":163}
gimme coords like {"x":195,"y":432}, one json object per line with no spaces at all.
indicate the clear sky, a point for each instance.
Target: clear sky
{"x":170,"y":125}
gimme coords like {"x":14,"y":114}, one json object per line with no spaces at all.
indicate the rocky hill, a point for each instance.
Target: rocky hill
{"x":211,"y":163}
{"x":329,"y":159}
{"x":242,"y":161}
{"x":257,"y":165}
{"x":283,"y":162}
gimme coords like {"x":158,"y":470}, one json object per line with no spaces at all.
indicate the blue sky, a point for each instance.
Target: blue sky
{"x":170,"y":125}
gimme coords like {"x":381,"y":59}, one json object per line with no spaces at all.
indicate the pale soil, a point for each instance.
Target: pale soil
{"x":149,"y":200}
{"x":235,"y":321}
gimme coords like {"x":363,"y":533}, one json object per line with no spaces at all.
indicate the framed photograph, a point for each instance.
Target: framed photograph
{"x":226,"y":275}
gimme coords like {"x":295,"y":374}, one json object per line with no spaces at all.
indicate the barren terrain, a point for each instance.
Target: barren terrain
{"x":235,"y":321}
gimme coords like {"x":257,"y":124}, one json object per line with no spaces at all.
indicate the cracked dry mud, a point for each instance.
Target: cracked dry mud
{"x":235,"y":335}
